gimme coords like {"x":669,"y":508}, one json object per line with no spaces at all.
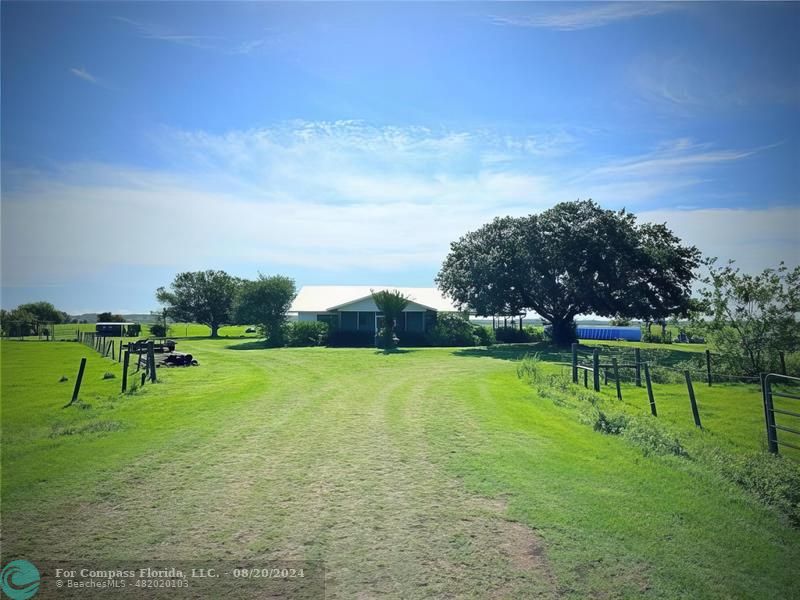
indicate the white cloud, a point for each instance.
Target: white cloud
{"x":587,"y":16}
{"x":332,"y":196}
{"x":82,"y":73}
{"x":755,"y":238}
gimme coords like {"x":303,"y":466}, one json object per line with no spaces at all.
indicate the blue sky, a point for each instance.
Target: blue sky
{"x":350,"y":143}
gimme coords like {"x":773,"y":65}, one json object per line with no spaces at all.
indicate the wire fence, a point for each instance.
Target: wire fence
{"x":597,"y":367}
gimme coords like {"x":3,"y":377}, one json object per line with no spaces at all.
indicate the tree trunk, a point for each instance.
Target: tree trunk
{"x":214,"y":330}
{"x":563,"y":332}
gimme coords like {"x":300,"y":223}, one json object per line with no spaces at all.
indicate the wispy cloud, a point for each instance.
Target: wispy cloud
{"x":680,"y":156}
{"x":82,"y":73}
{"x":587,"y":16}
{"x":153,"y":31}
{"x":326,"y":195}
{"x":685,"y":84}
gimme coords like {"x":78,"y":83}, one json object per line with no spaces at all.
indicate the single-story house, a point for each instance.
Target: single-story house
{"x":351,"y":307}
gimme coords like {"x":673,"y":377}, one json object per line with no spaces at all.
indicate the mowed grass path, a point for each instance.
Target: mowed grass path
{"x":426,"y":473}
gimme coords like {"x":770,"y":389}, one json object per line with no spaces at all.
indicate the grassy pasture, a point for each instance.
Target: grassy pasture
{"x":425,"y":473}
{"x":177,"y":330}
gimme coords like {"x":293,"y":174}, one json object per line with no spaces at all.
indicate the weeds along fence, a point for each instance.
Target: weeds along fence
{"x":143,"y":352}
{"x":598,"y":367}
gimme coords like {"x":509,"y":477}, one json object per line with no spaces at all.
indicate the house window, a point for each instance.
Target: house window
{"x":331,"y":320}
{"x":349,"y":321}
{"x":366,"y":321}
{"x":414,"y":321}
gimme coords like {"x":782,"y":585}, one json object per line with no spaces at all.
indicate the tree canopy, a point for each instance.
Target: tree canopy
{"x":108,"y":317}
{"x":575,"y":258}
{"x":44,"y":312}
{"x":265,"y":303}
{"x":752,"y":318}
{"x":205,"y":297}
{"x":28,"y":318}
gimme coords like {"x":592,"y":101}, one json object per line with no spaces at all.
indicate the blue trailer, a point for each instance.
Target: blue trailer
{"x":629,"y":334}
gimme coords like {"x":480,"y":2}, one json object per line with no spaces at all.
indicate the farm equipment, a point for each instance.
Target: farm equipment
{"x":164,"y":353}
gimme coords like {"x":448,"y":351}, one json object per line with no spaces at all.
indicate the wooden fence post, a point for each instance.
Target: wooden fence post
{"x":596,"y":369}
{"x":782,"y":356}
{"x":125,"y":364}
{"x":708,"y":366}
{"x":77,"y":383}
{"x":574,"y":363}
{"x":650,"y":390}
{"x":586,"y":378}
{"x":616,"y":378}
{"x":692,"y":400}
{"x":151,"y":360}
{"x":638,"y":360}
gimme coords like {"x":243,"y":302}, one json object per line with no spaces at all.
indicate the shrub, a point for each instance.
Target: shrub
{"x":610,"y":424}
{"x":773,"y":479}
{"x":158,"y":330}
{"x":510,"y":335}
{"x":451,"y":330}
{"x":535,"y":334}
{"x":529,"y":369}
{"x":412,"y":339}
{"x":484,"y":334}
{"x":662,"y":375}
{"x":307,"y":333}
{"x":656,"y":337}
{"x":645,"y":433}
{"x":134,"y":330}
{"x":351,"y":339}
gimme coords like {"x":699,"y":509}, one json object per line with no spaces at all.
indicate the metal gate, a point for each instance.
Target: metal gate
{"x":792,"y":433}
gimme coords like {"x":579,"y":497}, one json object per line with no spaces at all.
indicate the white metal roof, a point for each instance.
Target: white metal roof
{"x":321,"y":298}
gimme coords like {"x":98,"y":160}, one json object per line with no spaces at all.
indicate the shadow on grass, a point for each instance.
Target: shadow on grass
{"x":256,"y":345}
{"x":395,"y":351}
{"x":546,"y":352}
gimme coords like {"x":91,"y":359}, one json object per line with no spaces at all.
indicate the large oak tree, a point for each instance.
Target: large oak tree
{"x":575,"y":258}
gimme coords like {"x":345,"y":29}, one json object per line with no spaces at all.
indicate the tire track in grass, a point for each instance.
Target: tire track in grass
{"x":327,"y":466}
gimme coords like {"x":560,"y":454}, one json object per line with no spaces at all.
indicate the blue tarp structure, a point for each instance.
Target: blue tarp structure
{"x":630,"y":334}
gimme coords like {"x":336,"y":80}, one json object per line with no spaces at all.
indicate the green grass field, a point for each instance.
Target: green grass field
{"x":424,"y":473}
{"x":65,"y":331}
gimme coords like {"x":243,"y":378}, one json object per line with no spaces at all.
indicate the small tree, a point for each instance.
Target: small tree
{"x":43,"y":311}
{"x":107,"y":317}
{"x":205,"y":297}
{"x":751,"y":318}
{"x":391,"y":304}
{"x":265,"y":302}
